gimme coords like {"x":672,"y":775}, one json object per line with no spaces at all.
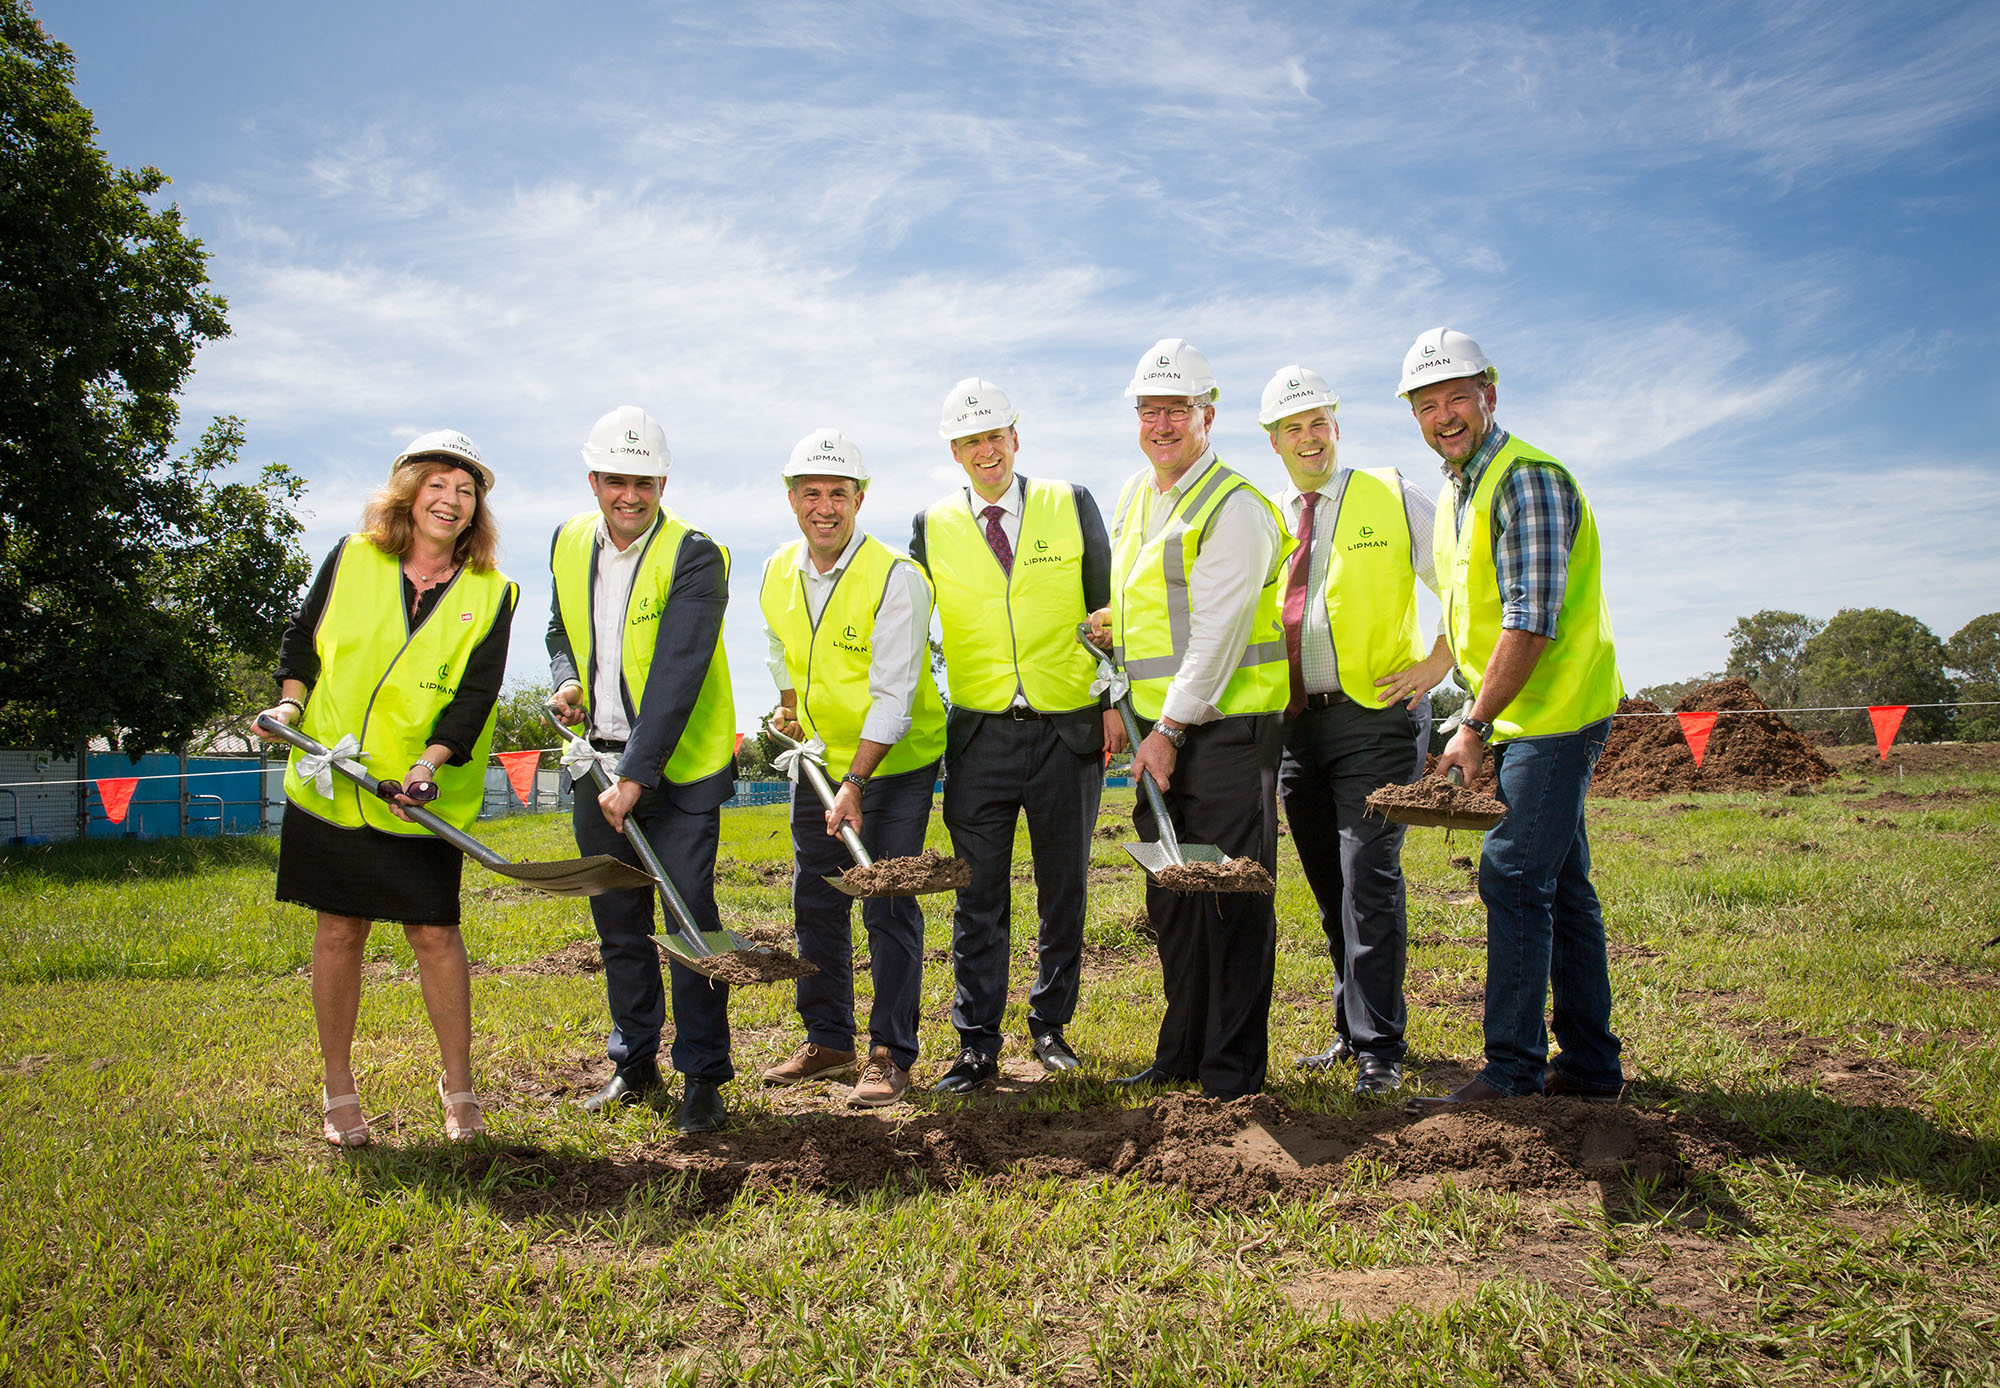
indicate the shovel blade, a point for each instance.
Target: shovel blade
{"x":574,"y":876}
{"x":1154,"y":856}
{"x":841,"y":884}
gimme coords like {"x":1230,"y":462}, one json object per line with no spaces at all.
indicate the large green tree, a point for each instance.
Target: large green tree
{"x":1873,"y":655}
{"x":130,"y":578}
{"x":1764,"y":649}
{"x":1973,"y":654}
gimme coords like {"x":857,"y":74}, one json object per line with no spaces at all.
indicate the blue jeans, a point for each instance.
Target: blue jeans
{"x":1544,"y":927}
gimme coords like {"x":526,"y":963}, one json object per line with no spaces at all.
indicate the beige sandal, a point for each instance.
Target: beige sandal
{"x":454,"y":1130}
{"x":356,"y":1136}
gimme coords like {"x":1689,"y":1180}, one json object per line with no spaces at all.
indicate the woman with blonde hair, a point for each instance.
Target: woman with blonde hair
{"x":400,"y":650}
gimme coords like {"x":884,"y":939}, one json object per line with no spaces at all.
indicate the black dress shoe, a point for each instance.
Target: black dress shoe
{"x":1341,"y":1049}
{"x":1374,"y":1074}
{"x":1557,"y":1085}
{"x":1152,"y":1074}
{"x":626,"y":1086}
{"x":701,"y":1109}
{"x":1477,"y":1092}
{"x":1053,"y":1051}
{"x":973,"y":1069}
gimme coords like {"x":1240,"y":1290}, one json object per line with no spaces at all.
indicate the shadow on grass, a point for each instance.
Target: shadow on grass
{"x":78,"y":862}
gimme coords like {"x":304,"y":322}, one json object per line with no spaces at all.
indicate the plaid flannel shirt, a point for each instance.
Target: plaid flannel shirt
{"x":1535,"y":515}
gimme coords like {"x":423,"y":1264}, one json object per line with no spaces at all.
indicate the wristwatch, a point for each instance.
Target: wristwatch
{"x":1175,"y":736}
{"x":1478,"y":727}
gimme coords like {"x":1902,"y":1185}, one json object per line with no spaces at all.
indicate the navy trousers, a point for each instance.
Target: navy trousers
{"x":895,"y":811}
{"x":632,"y":984}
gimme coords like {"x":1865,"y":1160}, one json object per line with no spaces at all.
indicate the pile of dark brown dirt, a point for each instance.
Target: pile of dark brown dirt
{"x":1750,"y":748}
{"x":1438,"y":803}
{"x":929,"y":871}
{"x":742,"y":966}
{"x":1229,"y":875}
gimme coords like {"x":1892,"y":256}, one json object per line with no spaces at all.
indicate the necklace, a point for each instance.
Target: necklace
{"x":425,"y":580}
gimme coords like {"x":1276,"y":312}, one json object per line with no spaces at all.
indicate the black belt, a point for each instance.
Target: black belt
{"x":1326,"y":700}
{"x":1021,"y":713}
{"x":605,"y":744}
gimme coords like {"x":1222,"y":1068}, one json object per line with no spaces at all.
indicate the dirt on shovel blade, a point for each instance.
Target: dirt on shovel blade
{"x":1230,"y":875}
{"x":929,"y":871}
{"x":1437,"y":800}
{"x":756,"y":966}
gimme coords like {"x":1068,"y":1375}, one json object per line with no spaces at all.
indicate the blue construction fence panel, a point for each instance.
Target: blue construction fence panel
{"x":222,"y":795}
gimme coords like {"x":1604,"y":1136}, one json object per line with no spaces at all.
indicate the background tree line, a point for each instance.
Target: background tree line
{"x":1861,"y":656}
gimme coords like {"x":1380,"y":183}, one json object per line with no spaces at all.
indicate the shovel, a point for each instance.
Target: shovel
{"x":714,"y":953}
{"x":571,"y":877}
{"x":1429,"y":817}
{"x":1169,"y":851}
{"x":824,"y":789}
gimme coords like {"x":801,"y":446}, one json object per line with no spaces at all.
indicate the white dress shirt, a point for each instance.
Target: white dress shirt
{"x":1319,"y":663}
{"x":616,"y":569}
{"x":1010,"y":503}
{"x":1224,"y":583}
{"x":900,"y":644}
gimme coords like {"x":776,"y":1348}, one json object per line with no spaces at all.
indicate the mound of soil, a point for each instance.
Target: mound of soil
{"x":1232,"y":1156}
{"x":1750,"y":748}
{"x":929,"y":871}
{"x":1230,"y":875}
{"x":1437,"y":802}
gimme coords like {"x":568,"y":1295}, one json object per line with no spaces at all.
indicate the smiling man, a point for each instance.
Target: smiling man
{"x":635,"y":648}
{"x":848,"y":620}
{"x":1359,"y":712}
{"x":1196,"y":575}
{"x":1516,"y":546}
{"x":1017,"y":563}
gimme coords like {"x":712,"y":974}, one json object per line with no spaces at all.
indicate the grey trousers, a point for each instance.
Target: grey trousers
{"x":1353,"y":861}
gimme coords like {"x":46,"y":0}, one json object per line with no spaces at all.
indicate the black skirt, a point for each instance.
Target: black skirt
{"x":407,"y":878}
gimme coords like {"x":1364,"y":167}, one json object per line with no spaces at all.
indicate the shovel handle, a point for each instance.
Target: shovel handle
{"x":1169,"y":840}
{"x":824,"y":789}
{"x":1456,"y":775}
{"x":450,"y":833}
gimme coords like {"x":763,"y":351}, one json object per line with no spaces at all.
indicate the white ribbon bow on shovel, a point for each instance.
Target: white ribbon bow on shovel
{"x":578,"y":756}
{"x":317,"y":767}
{"x":1112,"y":678}
{"x":789,"y":761}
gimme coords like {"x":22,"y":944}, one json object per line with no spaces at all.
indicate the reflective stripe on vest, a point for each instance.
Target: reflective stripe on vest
{"x":1371,"y":585}
{"x":827,"y":661}
{"x":1038,"y":606}
{"x":388,"y":685}
{"x":1150,"y":603}
{"x":708,"y":742}
{"x":1575,"y":683}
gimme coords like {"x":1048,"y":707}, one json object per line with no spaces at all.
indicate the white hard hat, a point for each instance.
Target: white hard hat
{"x":446,"y":443}
{"x":1443,"y":355}
{"x":1172,"y":366}
{"x":1293,"y":391}
{"x":826,"y":452}
{"x":629,"y":442}
{"x":975,"y":406}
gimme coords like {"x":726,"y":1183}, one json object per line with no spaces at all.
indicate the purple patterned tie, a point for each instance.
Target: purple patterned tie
{"x":997,"y":538}
{"x":1295,"y":600}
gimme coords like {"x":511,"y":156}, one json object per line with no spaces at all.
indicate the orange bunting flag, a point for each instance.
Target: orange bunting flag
{"x":520,"y":769}
{"x":1886,"y":718}
{"x":739,"y":745}
{"x":1696,"y":727}
{"x":116,"y":793}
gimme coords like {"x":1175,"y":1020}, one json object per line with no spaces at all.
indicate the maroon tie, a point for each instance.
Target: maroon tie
{"x":997,"y":538}
{"x":1295,"y":599}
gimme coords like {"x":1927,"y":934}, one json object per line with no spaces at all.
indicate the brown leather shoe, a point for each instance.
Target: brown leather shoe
{"x":1476,"y":1092}
{"x":810,"y":1062}
{"x":1557,"y":1085}
{"x":883,"y":1081}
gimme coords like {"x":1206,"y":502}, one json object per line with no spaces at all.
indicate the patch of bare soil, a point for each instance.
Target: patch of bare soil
{"x":1919,"y":758}
{"x":1436,"y":802}
{"x":1230,"y":875}
{"x":1750,"y":748}
{"x":929,"y":871}
{"x":1229,"y":1156}
{"x":1825,"y":1063}
{"x":1904,"y":800}
{"x":1942,"y":973}
{"x":577,"y":957}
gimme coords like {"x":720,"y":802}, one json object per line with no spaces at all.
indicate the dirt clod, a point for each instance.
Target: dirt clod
{"x":1437,"y":802}
{"x":1230,"y":875}
{"x":929,"y":871}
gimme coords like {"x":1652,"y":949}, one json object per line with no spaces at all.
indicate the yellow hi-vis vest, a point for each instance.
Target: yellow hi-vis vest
{"x":387,"y":685}
{"x":1575,"y":683}
{"x":708,"y":742}
{"x":1149,"y":597}
{"x":827,"y":661}
{"x":1012,"y":634}
{"x":1371,"y":586}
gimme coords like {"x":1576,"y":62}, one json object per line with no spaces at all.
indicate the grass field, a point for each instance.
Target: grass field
{"x":1802,"y":1188}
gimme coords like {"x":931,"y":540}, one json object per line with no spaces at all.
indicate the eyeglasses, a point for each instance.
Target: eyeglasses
{"x":1173,"y":414}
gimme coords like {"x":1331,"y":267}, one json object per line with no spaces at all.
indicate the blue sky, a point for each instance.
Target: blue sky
{"x":1735,"y":262}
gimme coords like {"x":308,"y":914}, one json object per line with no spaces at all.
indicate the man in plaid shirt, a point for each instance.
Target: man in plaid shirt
{"x":1516,"y":550}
